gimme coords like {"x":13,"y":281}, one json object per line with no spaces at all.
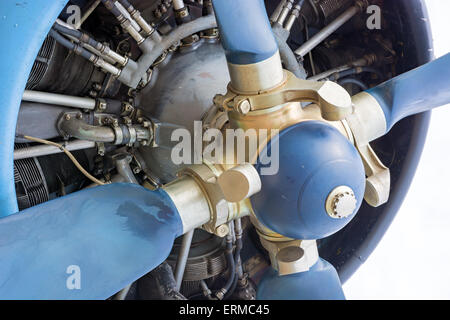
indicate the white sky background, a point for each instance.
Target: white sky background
{"x":413,"y":259}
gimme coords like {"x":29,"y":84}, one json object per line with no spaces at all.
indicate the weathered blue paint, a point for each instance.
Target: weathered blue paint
{"x":321,"y":282}
{"x":23,"y":27}
{"x":114,"y":233}
{"x":416,"y":91}
{"x":245,"y":30}
{"x":314,"y":159}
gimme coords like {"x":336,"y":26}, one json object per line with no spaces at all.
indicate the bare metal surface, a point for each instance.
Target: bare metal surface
{"x":304,"y":49}
{"x":182,"y":258}
{"x":44,"y":150}
{"x":59,"y":99}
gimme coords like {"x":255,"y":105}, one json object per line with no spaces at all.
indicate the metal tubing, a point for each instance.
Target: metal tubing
{"x":86,"y":39}
{"x":79,"y":129}
{"x":292,"y":17}
{"x":133,"y":73}
{"x":238,"y":261}
{"x":75,"y":47}
{"x":59,"y":99}
{"x":220,"y":294}
{"x":277,"y":11}
{"x":182,"y":258}
{"x":126,"y":14}
{"x":45,"y":150}
{"x":309,"y":45}
{"x":284,"y":13}
{"x":136,"y":15}
{"x":87,"y":13}
{"x":122,"y":163}
{"x":80,"y":50}
{"x":127,"y":24}
{"x":328,"y":73}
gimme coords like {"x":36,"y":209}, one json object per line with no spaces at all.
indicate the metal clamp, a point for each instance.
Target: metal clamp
{"x":334,"y":101}
{"x":218,"y":185}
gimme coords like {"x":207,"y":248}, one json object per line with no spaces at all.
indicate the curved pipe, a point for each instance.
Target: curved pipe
{"x":153,"y":49}
{"x":86,"y":245}
{"x":79,"y":129}
{"x":122,"y":162}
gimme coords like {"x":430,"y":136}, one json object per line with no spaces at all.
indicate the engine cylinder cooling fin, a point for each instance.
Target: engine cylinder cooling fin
{"x":329,"y":8}
{"x":206,"y":257}
{"x":41,"y":64}
{"x":31,"y":187}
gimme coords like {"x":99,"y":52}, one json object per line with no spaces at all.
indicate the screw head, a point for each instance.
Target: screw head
{"x":222,"y":230}
{"x":243,"y":107}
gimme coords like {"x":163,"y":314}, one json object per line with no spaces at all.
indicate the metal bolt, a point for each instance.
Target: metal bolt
{"x":101,"y":105}
{"x":222,"y":230}
{"x":136,"y":170}
{"x":67,"y":117}
{"x":243,"y":107}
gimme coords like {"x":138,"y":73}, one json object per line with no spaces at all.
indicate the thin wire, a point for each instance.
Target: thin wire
{"x":69,"y":154}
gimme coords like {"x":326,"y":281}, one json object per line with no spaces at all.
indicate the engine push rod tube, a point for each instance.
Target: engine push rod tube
{"x":182,"y":258}
{"x":59,"y":99}
{"x":123,"y":168}
{"x":45,"y":150}
{"x":309,"y":45}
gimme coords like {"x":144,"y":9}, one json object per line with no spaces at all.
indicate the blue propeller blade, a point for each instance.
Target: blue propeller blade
{"x":321,"y":282}
{"x":87,"y":245}
{"x":416,"y":91}
{"x":245,"y":30}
